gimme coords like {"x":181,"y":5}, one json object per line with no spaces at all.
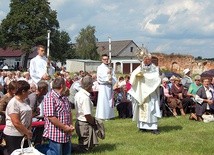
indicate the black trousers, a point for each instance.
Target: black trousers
{"x":13,"y":143}
{"x":124,"y":109}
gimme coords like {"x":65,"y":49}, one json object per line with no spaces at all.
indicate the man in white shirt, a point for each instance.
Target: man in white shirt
{"x":38,"y":66}
{"x":106,"y":80}
{"x":85,"y":124}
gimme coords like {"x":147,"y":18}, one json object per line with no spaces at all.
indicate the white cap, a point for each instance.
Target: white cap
{"x":165,"y":79}
{"x":187,"y":70}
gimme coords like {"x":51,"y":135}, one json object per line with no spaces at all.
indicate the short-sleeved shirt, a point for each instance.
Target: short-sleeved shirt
{"x":56,"y":106}
{"x":83,"y":104}
{"x":23,"y":110}
{"x":193,"y":88}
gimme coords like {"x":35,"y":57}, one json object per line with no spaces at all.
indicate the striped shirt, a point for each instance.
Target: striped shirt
{"x":56,"y":106}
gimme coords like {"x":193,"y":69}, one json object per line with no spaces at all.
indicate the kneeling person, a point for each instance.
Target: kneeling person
{"x":85,"y":124}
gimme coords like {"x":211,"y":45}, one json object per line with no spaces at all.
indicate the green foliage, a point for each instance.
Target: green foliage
{"x":178,"y":136}
{"x":27,"y":23}
{"x":60,"y":47}
{"x":86,"y":44}
{"x":199,"y":58}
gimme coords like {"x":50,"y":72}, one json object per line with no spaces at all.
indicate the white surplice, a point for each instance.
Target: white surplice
{"x":145,"y":93}
{"x":105,"y":104}
{"x":38,"y":68}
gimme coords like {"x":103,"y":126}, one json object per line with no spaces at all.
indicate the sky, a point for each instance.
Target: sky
{"x":165,"y":26}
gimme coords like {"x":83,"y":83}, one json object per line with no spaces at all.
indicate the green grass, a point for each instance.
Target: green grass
{"x":179,"y":136}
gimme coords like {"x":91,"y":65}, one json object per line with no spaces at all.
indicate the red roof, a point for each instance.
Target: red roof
{"x":9,"y":52}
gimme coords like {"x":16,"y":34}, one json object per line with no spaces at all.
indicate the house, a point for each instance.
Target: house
{"x":13,"y":58}
{"x":123,"y":56}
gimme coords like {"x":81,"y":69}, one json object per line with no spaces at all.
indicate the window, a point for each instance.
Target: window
{"x":131,"y":49}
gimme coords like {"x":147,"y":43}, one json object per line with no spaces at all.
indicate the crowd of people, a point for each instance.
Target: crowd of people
{"x":144,"y":95}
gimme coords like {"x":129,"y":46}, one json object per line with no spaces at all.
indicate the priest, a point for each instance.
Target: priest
{"x":145,"y":81}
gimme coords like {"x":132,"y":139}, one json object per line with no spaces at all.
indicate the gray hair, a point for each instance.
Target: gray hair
{"x":86,"y":82}
{"x":197,"y":77}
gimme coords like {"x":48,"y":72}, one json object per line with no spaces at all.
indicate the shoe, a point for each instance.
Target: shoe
{"x":156,"y":132}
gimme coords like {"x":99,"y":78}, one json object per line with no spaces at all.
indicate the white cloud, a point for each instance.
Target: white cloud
{"x":184,"y":26}
{"x":57,"y":3}
{"x":72,"y":27}
{"x":109,"y":7}
{"x":2,"y":14}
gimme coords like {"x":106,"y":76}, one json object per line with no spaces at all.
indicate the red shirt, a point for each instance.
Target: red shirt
{"x":68,"y":83}
{"x":128,"y":86}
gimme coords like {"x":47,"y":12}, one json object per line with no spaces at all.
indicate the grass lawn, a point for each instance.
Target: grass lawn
{"x":179,"y":136}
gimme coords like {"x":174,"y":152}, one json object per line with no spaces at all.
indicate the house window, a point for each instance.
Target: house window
{"x":131,"y":49}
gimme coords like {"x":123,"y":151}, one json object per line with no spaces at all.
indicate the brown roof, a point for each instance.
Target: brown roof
{"x":116,"y":47}
{"x":9,"y":52}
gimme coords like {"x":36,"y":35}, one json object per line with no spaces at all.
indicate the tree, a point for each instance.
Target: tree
{"x":199,"y":58}
{"x":61,"y":49}
{"x":86,"y":44}
{"x":27,"y":23}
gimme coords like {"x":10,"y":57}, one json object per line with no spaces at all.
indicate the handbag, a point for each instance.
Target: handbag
{"x":26,"y":151}
{"x":100,"y":129}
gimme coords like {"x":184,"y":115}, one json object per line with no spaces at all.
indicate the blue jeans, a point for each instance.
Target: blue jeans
{"x":59,"y":148}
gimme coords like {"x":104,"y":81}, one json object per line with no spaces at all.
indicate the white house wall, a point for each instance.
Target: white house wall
{"x":127,"y":52}
{"x":12,"y":61}
{"x":91,"y":66}
{"x":121,"y":62}
{"x":74,"y":66}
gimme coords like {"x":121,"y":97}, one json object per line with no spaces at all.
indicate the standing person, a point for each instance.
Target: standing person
{"x":58,"y":120}
{"x":85,"y":124}
{"x":18,"y":118}
{"x":145,"y":81}
{"x":106,"y":80}
{"x":38,"y":66}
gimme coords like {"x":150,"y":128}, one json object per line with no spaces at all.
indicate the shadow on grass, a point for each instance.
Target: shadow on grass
{"x":168,"y":128}
{"x":98,"y":149}
{"x":104,"y":147}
